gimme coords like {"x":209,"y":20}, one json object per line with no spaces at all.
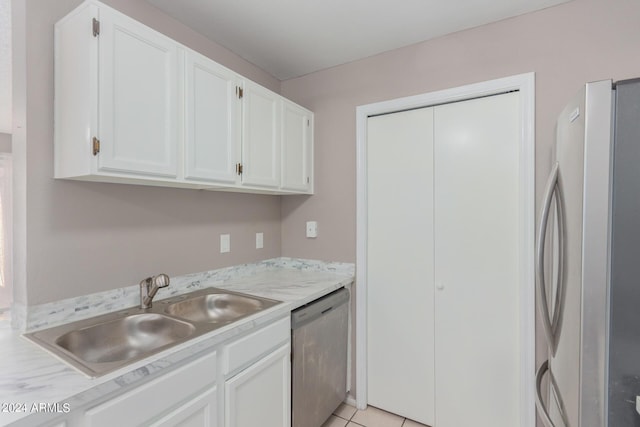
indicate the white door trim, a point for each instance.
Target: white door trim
{"x":525,"y":84}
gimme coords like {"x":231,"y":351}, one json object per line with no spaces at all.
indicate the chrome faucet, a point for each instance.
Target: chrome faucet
{"x":149,"y":287}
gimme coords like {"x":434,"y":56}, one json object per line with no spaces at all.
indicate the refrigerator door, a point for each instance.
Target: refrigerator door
{"x":583,"y":146}
{"x":624,"y":335}
{"x":595,"y":254}
{"x":565,"y":361}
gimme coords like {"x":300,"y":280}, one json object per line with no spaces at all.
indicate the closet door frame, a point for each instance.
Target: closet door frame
{"x":525,"y":84}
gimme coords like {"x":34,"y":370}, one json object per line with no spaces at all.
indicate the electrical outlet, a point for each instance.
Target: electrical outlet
{"x":259,"y":240}
{"x":225,"y":243}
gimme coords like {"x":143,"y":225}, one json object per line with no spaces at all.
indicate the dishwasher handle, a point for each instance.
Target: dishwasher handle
{"x":315,"y":309}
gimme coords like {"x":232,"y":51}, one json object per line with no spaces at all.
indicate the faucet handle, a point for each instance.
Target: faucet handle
{"x":161,"y":280}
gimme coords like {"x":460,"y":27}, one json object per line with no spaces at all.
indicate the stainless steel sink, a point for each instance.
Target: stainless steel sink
{"x":218,"y":307}
{"x":125,"y":338}
{"x":102,"y":344}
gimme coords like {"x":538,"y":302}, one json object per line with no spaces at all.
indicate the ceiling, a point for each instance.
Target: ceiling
{"x":290,"y":38}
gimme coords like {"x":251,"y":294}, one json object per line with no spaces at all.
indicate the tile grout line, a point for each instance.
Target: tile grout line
{"x":350,"y":419}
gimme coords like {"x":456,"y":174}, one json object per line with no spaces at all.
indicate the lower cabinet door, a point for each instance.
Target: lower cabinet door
{"x":167,"y":398}
{"x":261,"y":394}
{"x":200,"y":412}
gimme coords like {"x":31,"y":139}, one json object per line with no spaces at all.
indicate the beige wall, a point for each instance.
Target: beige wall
{"x":5,"y":143}
{"x":565,"y":46}
{"x":75,"y":238}
{"x":79,"y":238}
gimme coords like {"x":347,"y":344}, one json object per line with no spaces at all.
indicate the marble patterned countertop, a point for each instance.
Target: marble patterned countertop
{"x":30,"y":375}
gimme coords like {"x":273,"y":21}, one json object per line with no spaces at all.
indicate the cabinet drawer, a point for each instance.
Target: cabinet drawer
{"x":142,"y":404}
{"x":254,"y":345}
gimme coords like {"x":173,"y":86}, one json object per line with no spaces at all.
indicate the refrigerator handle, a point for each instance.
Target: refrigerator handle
{"x":550,"y":324}
{"x":560,"y":294}
{"x":542,"y":409}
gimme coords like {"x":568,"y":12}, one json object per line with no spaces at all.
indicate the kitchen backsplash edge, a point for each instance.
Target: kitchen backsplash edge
{"x":31,"y":318}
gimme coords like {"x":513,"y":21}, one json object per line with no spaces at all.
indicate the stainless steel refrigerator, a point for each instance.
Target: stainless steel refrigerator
{"x":588,"y":266}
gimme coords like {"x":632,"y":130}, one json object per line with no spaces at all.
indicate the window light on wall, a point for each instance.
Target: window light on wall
{"x":6,"y":226}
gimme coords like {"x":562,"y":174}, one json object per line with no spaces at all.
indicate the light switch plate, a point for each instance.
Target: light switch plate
{"x":312,"y":229}
{"x":259,"y":240}
{"x":225,"y":243}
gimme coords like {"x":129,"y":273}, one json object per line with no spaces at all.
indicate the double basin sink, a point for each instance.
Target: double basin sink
{"x":102,"y":344}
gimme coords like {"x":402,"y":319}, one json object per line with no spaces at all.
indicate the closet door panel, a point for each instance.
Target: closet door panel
{"x":400,"y":357}
{"x":477,"y":301}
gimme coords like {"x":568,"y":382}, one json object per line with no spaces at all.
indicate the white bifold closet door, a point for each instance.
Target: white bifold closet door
{"x":443,"y":300}
{"x":400,"y":264}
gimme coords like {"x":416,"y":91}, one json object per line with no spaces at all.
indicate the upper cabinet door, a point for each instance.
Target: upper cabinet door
{"x":260,"y":136}
{"x":297,"y":148}
{"x":137,"y":98}
{"x":211,"y":108}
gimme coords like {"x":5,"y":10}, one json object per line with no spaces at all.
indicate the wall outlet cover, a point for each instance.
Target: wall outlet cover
{"x":225,"y":243}
{"x":312,"y":229}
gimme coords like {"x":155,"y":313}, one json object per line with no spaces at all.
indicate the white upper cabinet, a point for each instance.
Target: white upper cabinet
{"x":212,"y":118}
{"x":76,"y":93}
{"x":297,"y":148}
{"x":137,"y":97}
{"x":134,"y":106}
{"x":260,"y":136}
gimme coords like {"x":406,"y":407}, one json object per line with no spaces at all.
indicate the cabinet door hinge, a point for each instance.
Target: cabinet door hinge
{"x":239,"y":168}
{"x":239,"y":92}
{"x":96,"y":27}
{"x":308,"y":180}
{"x":96,"y":146}
{"x":308,"y":122}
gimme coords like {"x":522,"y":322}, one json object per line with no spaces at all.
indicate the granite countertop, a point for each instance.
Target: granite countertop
{"x":31,"y":375}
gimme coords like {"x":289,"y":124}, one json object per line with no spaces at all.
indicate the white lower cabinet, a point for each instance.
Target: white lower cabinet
{"x":257,"y":378}
{"x":184,"y":397}
{"x":260,"y":395}
{"x":245,"y":382}
{"x":201,"y":411}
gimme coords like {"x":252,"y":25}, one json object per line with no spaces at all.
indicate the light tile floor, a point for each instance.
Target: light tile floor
{"x":348,"y":416}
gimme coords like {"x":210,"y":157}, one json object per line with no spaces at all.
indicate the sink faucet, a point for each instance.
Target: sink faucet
{"x":149,"y":287}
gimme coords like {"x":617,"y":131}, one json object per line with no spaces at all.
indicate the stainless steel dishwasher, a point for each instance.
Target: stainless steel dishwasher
{"x":319,"y":358}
